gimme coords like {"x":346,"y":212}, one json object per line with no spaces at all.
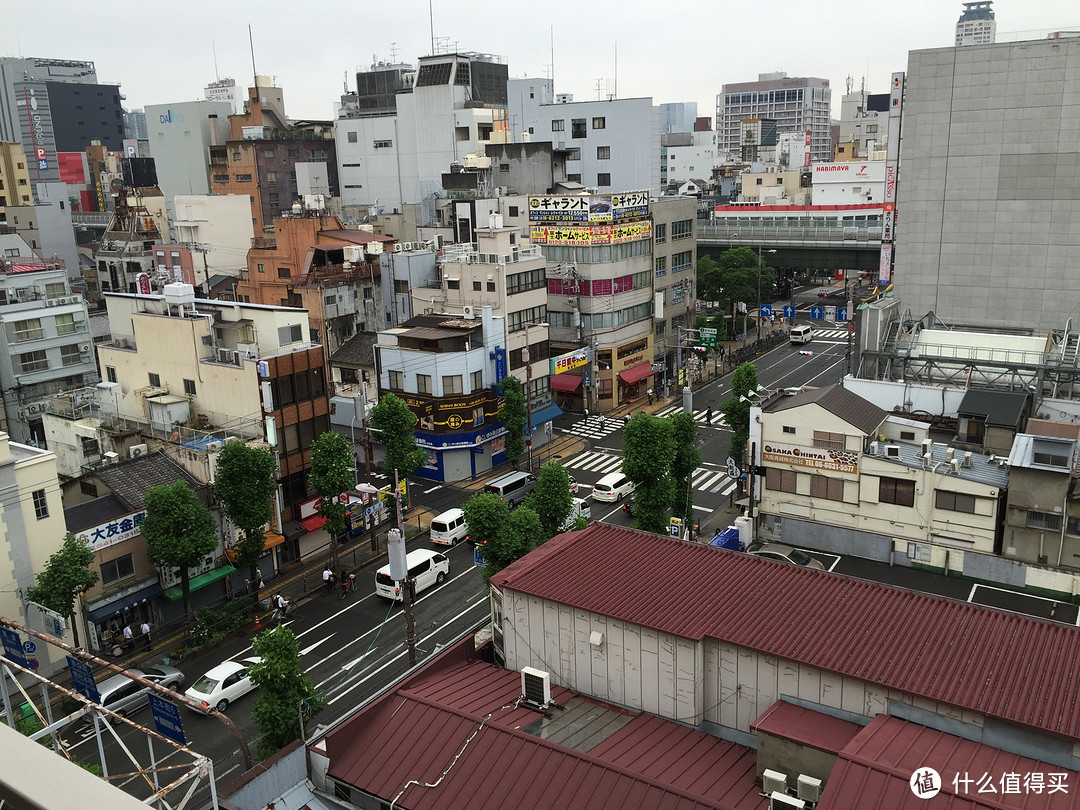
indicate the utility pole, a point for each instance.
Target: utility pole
{"x":407,"y":584}
{"x":850,"y":325}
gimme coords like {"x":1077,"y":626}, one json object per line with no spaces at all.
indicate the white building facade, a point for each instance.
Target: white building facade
{"x":180,"y":137}
{"x":219,"y":225}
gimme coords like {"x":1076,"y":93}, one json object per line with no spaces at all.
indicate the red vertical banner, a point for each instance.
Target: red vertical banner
{"x":806,"y":158}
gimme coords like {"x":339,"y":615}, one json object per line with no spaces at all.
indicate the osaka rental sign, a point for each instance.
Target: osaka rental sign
{"x":815,"y":458}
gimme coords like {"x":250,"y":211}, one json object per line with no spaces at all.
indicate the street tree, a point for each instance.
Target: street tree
{"x":648,"y":453}
{"x":520,"y":535}
{"x":244,"y":485}
{"x":179,"y":531}
{"x":687,"y":459}
{"x":551,"y":498}
{"x":66,"y":574}
{"x":744,"y":383}
{"x":331,"y":476}
{"x":287,"y":699}
{"x":514,"y":414}
{"x":486,"y":515}
{"x":735,"y":279}
{"x":394,"y":422}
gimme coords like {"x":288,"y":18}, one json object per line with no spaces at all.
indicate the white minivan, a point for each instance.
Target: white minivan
{"x":448,"y":528}
{"x":426,"y":568}
{"x":612,"y":487}
{"x":800,"y":334}
{"x":580,"y":508}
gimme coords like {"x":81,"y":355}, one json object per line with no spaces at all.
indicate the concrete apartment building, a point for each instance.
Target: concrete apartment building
{"x":674,"y":275}
{"x":687,"y":156}
{"x":796,"y":104}
{"x":14,"y":178}
{"x":988,"y":187}
{"x":180,"y":136}
{"x":46,"y":225}
{"x":864,"y":121}
{"x":219,"y":227}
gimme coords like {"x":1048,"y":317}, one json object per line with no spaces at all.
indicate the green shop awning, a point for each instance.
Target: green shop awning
{"x":175,"y":593}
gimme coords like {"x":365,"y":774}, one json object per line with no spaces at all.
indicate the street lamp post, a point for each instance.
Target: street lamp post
{"x":528,"y":386}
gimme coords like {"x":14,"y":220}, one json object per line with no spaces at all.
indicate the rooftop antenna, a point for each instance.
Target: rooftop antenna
{"x":553,"y":62}
{"x":254,"y":72}
{"x":431,"y":23}
{"x":214,"y":46}
{"x":616,"y":93}
{"x":393,"y":53}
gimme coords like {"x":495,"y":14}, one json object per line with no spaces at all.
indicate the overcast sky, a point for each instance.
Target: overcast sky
{"x":681,"y":50}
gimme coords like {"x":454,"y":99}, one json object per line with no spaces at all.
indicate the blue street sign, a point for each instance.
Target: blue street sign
{"x":29,"y":647}
{"x":31,"y":663}
{"x":82,"y":677}
{"x":167,"y":718}
{"x":13,"y":649}
{"x":841,"y":314}
{"x":766,"y":310}
{"x":817,"y":313}
{"x":477,"y":557}
{"x":789,"y":310}
{"x":586,"y":379}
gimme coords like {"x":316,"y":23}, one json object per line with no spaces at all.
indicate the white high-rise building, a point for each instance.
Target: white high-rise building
{"x":795,"y":104}
{"x":976,"y":25}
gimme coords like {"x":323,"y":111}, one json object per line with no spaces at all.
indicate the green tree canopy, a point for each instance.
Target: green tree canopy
{"x":734,"y":278}
{"x":245,"y":484}
{"x":395,"y":422}
{"x":513,"y":413}
{"x":520,"y":535}
{"x":330,"y":476}
{"x":179,"y":531}
{"x":736,"y":413}
{"x":66,"y":574}
{"x":285,"y":691}
{"x":551,"y":498}
{"x":485,"y":517}
{"x":687,"y":459}
{"x":648,"y":452}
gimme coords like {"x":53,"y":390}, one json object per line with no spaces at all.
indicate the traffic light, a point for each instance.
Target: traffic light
{"x":701,"y":349}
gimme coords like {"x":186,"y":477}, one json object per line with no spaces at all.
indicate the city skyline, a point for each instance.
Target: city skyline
{"x":685,"y":55}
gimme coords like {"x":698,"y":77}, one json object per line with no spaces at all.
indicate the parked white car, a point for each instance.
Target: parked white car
{"x":223,"y":684}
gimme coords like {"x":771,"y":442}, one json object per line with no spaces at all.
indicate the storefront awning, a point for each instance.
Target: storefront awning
{"x":545,"y":414}
{"x":636,"y":374}
{"x":313,"y":523}
{"x":270,"y":539}
{"x":176,"y":592}
{"x":150,"y":590}
{"x":292,"y":529}
{"x":565,"y":382}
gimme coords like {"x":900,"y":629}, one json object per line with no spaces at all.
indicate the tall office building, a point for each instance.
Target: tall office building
{"x":989,"y":187}
{"x":976,"y":25}
{"x":796,"y":104}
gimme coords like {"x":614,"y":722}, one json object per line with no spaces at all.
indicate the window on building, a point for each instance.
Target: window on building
{"x":573,"y":154}
{"x":871,"y":129}
{"x":33,"y":361}
{"x":116,"y":570}
{"x":491,"y":286}
{"x":237,"y":156}
{"x":603,"y":179}
{"x":271,"y":178}
{"x":90,"y":446}
{"x":660,"y":266}
{"x":70,"y":355}
{"x":55,"y":290}
{"x":29,"y":329}
{"x":954,"y":501}
{"x":1072,"y":526}
{"x":384,"y":144}
{"x":660,"y":232}
{"x":823,"y":486}
{"x":504,"y":167}
{"x":401,"y":286}
{"x":558,"y":125}
{"x":243,"y":178}
{"x":452,"y":384}
{"x":896,"y":490}
{"x":423,"y":383}
{"x":477,"y":286}
{"x":516,"y":321}
{"x":478,"y":416}
{"x":573,"y":178}
{"x":453,"y":284}
{"x":828,"y":441}
{"x":1044,"y":520}
{"x":577,"y":128}
{"x":789,"y":429}
{"x":65,"y":324}
{"x":476,"y":381}
{"x":351,"y":137}
{"x":41,"y":504}
{"x":780,"y":480}
{"x":274,"y":199}
{"x":284,"y":272}
{"x":683,"y":260}
{"x":221,"y":178}
{"x":189,"y":387}
{"x":599,"y":123}
{"x":155,"y":379}
{"x":397,"y":380}
{"x":757,"y":181}
{"x":523,"y":282}
{"x":110,"y":373}
{"x":682,"y":229}
{"x":88,"y":488}
{"x":512,"y":211}
{"x":603,"y":153}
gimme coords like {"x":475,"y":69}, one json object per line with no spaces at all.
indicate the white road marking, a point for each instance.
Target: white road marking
{"x":306,"y":650}
{"x":429,"y":491}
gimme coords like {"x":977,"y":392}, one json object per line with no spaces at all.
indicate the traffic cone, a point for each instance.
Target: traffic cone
{"x":258,"y":624}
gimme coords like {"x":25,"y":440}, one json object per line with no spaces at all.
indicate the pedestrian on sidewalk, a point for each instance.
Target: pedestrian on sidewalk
{"x":586,"y":416}
{"x":708,"y":416}
{"x":601,"y":419}
{"x":128,"y":642}
{"x":626,"y":419}
{"x":328,"y":579}
{"x":649,"y":392}
{"x":145,"y":634}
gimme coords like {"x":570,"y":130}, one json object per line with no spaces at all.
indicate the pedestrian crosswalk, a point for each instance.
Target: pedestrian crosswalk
{"x":699,"y":416}
{"x":704,"y":479}
{"x":826,"y":334}
{"x":593,"y":428}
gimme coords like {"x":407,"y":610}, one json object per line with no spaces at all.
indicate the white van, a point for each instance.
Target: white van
{"x":512,"y":487}
{"x":580,"y":507}
{"x":426,"y":568}
{"x":448,"y":528}
{"x":612,"y":487}
{"x":800,"y":334}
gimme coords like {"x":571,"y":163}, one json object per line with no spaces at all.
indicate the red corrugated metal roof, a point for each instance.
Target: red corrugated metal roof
{"x":989,"y":661}
{"x":806,"y":727}
{"x":416,"y":731}
{"x":875,"y":769}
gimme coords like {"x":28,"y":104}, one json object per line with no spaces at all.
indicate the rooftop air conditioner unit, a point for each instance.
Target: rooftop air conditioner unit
{"x":111,"y":457}
{"x":536,"y":687}
{"x":955,"y":464}
{"x":926,"y":461}
{"x":967,"y":459}
{"x":773,"y":782}
{"x":872,"y":451}
{"x":781,"y":801}
{"x":137,"y":450}
{"x":52,"y":302}
{"x":229,"y":439}
{"x":374,"y":248}
{"x":71,"y":299}
{"x":213,"y":446}
{"x":809,"y":788}
{"x":397,"y":247}
{"x":950,"y":453}
{"x":84,"y":348}
{"x":927,"y":444}
{"x":468,"y":313}
{"x":353,"y":253}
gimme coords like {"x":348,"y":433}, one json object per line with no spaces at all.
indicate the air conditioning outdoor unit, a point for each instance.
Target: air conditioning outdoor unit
{"x":71,"y":299}
{"x":374,"y":248}
{"x":397,"y":247}
{"x":467,"y":313}
{"x":955,"y":464}
{"x":52,"y":302}
{"x":781,"y":801}
{"x":809,"y":788}
{"x":967,"y":459}
{"x":111,"y":457}
{"x":353,"y":253}
{"x":536,"y":687}
{"x":137,"y":450}
{"x":213,"y":446}
{"x":873,"y":449}
{"x":84,"y":348}
{"x":773,"y":782}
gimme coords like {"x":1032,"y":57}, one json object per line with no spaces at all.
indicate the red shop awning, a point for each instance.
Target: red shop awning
{"x":312,"y":523}
{"x":636,"y":374}
{"x":565,"y":382}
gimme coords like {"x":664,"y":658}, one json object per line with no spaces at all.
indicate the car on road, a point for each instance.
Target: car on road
{"x":426,"y":568}
{"x":612,"y":487}
{"x":223,"y":684}
{"x":784,"y":553}
{"x":573,"y":485}
{"x":124,"y":696}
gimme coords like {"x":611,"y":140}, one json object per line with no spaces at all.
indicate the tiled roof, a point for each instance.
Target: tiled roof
{"x":130,"y":480}
{"x":92,"y":513}
{"x":357,"y":350}
{"x":999,"y":408}
{"x":988,"y":661}
{"x":874,"y":770}
{"x":415,"y":732}
{"x":837,"y":400}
